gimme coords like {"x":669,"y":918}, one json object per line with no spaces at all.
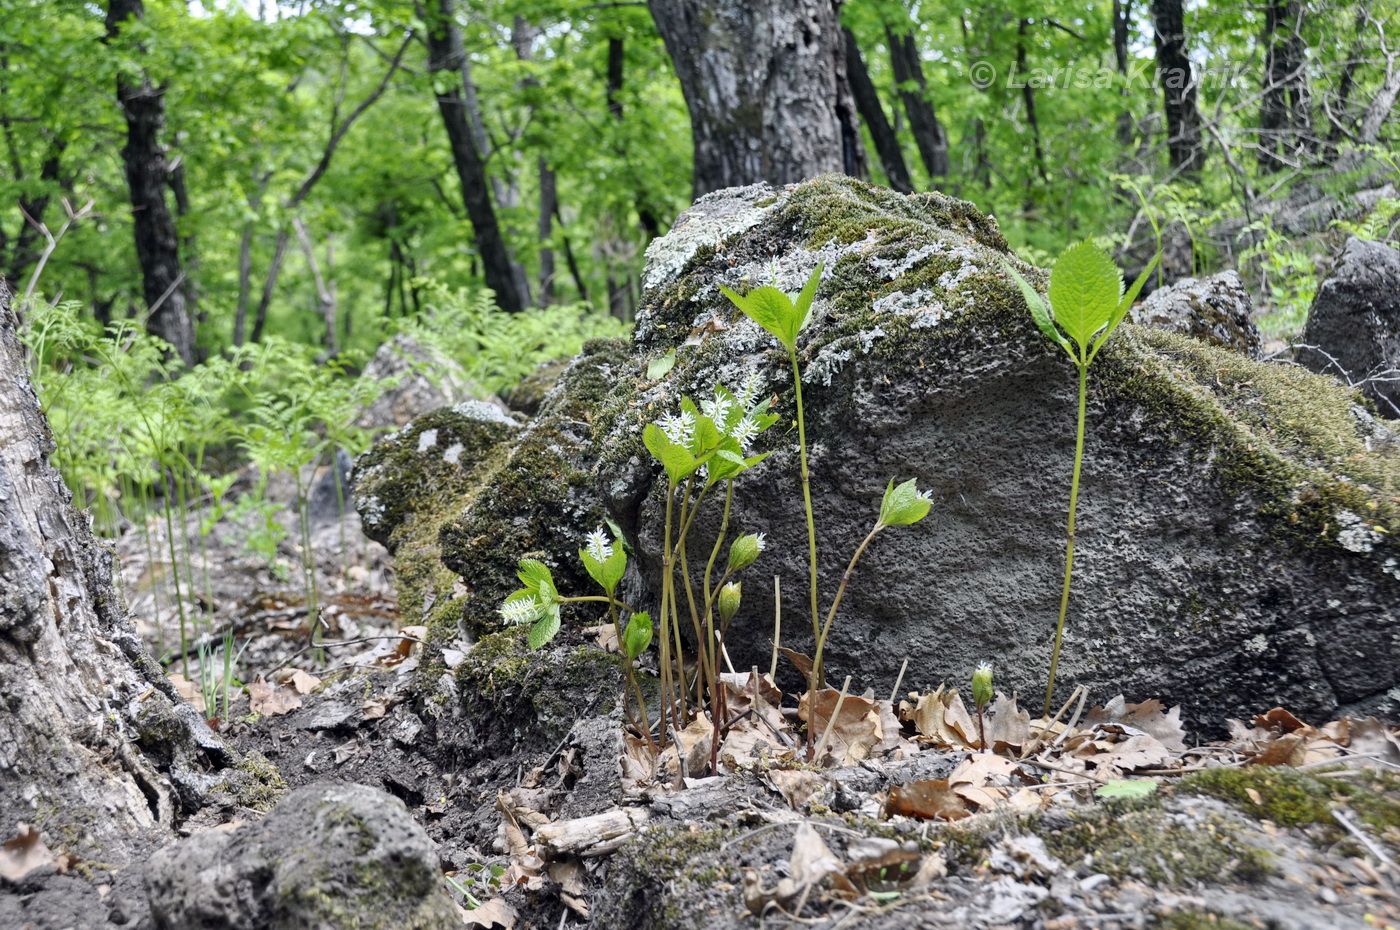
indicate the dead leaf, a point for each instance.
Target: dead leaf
{"x":799,"y":661}
{"x":876,"y":853}
{"x":983,"y":779}
{"x":271,"y":700}
{"x":1371,"y":737}
{"x":23,"y":853}
{"x":927,"y":799}
{"x":495,"y":914}
{"x":941,"y":719}
{"x":1149,"y":717}
{"x":604,"y":634}
{"x":568,"y":874}
{"x":188,"y":690}
{"x":374,"y":708}
{"x":303,"y":682}
{"x":1008,"y":726}
{"x":856,"y":731}
{"x":1280,"y":720}
{"x":797,"y":786}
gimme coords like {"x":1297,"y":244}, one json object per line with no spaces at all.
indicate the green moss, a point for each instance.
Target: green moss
{"x":1197,"y":920}
{"x":1292,"y":798}
{"x":1153,"y":845}
{"x":669,"y":873}
{"x":258,"y":785}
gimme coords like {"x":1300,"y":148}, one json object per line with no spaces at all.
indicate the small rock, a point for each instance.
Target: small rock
{"x":1217,"y":310}
{"x":329,"y":856}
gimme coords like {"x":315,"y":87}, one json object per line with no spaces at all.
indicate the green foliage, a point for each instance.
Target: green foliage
{"x":904,"y":504}
{"x":982,"y":691}
{"x":1087,"y":303}
{"x":1126,"y":789}
{"x":777,"y":312}
{"x":637,"y":638}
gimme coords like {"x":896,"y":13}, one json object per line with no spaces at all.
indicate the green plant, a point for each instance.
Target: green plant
{"x":1285,"y":272}
{"x":217,"y":678}
{"x":982,"y":694}
{"x":784,"y":318}
{"x":1087,"y":303}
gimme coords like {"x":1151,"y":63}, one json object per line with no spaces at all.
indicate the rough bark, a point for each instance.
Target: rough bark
{"x":147,"y":175}
{"x":872,"y":113}
{"x":1178,"y":86}
{"x":765,"y":84}
{"x":1122,"y":19}
{"x":1028,"y":98}
{"x":549,"y":204}
{"x":928,"y":132}
{"x":1285,"y":121}
{"x":447,"y":56}
{"x":80,"y":694}
{"x":1378,"y":111}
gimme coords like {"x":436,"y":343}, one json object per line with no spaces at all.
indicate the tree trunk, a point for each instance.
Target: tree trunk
{"x":446,"y":56}
{"x":147,"y":176}
{"x":549,"y":204}
{"x":1028,"y":97}
{"x":1285,"y":119}
{"x":928,"y":132}
{"x":90,"y":723}
{"x":646,"y":216}
{"x":1381,"y":104}
{"x":873,"y":114}
{"x":1122,"y":19}
{"x":765,"y":84}
{"x":1178,"y":86}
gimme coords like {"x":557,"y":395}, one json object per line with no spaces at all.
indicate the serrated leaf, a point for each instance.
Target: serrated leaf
{"x":1085,"y":290}
{"x":637,"y":637}
{"x":803,"y":304}
{"x":1126,"y":304}
{"x":545,"y":628}
{"x":1040,"y":313}
{"x":903,"y":505}
{"x":659,"y":368}
{"x":772,"y":309}
{"x":676,"y":459}
{"x":1126,"y":789}
{"x":536,"y":577}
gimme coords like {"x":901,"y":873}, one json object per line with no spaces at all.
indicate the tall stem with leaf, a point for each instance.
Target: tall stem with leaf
{"x":1087,"y":303}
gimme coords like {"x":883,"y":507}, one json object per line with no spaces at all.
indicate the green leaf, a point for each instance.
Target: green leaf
{"x":614,"y":567}
{"x":1040,"y":313}
{"x":1126,"y":789}
{"x":537,"y":578}
{"x":903,"y":504}
{"x":637,"y":637}
{"x":659,"y":368}
{"x":772,"y":309}
{"x":1085,"y":290}
{"x":676,"y":459}
{"x":545,"y":628}
{"x":1126,"y":304}
{"x":804,"y":299}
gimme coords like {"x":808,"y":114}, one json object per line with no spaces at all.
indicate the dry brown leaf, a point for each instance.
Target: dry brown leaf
{"x":23,"y":853}
{"x":1280,"y":720}
{"x":494,"y":914}
{"x":928,"y":799}
{"x":303,"y":682}
{"x":271,"y":700}
{"x":374,"y":708}
{"x":604,"y":634}
{"x":744,"y":745}
{"x":188,"y":690}
{"x":983,"y":779}
{"x":799,"y":661}
{"x":941,"y":719}
{"x":1008,"y":726}
{"x":874,"y":853}
{"x":1150,"y":717}
{"x":1133,"y":754}
{"x":856,"y":730}
{"x":797,"y":786}
{"x":1371,"y":737}
{"x":568,"y":874}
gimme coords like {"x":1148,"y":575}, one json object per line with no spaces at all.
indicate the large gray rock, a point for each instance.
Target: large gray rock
{"x":1353,"y":328}
{"x":421,"y":379}
{"x":1237,"y":520}
{"x":1217,"y":310}
{"x":328,"y":857}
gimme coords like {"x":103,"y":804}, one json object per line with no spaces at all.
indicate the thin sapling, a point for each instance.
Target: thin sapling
{"x":1087,"y":303}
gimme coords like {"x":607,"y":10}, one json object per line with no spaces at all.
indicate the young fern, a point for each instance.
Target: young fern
{"x":1087,"y":303}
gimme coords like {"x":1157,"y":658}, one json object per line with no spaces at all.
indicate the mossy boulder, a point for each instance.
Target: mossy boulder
{"x":328,"y":857}
{"x":412,"y":481}
{"x":1237,"y":542}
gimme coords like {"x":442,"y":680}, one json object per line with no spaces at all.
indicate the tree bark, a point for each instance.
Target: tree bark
{"x":1184,"y":144}
{"x":147,"y":175}
{"x":928,"y":132}
{"x":765,"y":84}
{"x":1378,"y":111}
{"x":549,"y":204}
{"x":872,"y":112}
{"x":1285,"y":119}
{"x":447,"y":57}
{"x":81,"y":756}
{"x":1122,"y":19}
{"x":1028,"y":97}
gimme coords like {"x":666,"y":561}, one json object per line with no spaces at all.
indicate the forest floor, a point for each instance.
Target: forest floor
{"x":1108,"y":817}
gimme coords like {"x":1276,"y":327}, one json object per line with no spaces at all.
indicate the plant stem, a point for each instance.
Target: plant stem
{"x":825,"y":630}
{"x":807,"y":505}
{"x":668,"y":708}
{"x":1069,"y":536}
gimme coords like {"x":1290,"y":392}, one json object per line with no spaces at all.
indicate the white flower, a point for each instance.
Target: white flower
{"x":679,"y":428}
{"x":761,"y":540}
{"x":716,"y":408}
{"x":599,"y":546}
{"x":520,"y":611}
{"x":747,"y":394}
{"x":744,"y":431}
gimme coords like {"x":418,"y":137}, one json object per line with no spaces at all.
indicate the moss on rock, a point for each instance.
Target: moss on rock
{"x":1292,"y":798}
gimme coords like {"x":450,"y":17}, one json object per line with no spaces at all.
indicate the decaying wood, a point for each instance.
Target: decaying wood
{"x":597,"y":835}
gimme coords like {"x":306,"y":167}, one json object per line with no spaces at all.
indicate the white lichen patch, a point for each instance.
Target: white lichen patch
{"x":711,"y":220}
{"x":453,"y":455}
{"x":1257,"y":644}
{"x":485,"y":412}
{"x":426,"y":440}
{"x":1354,"y":534}
{"x":891,"y":268}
